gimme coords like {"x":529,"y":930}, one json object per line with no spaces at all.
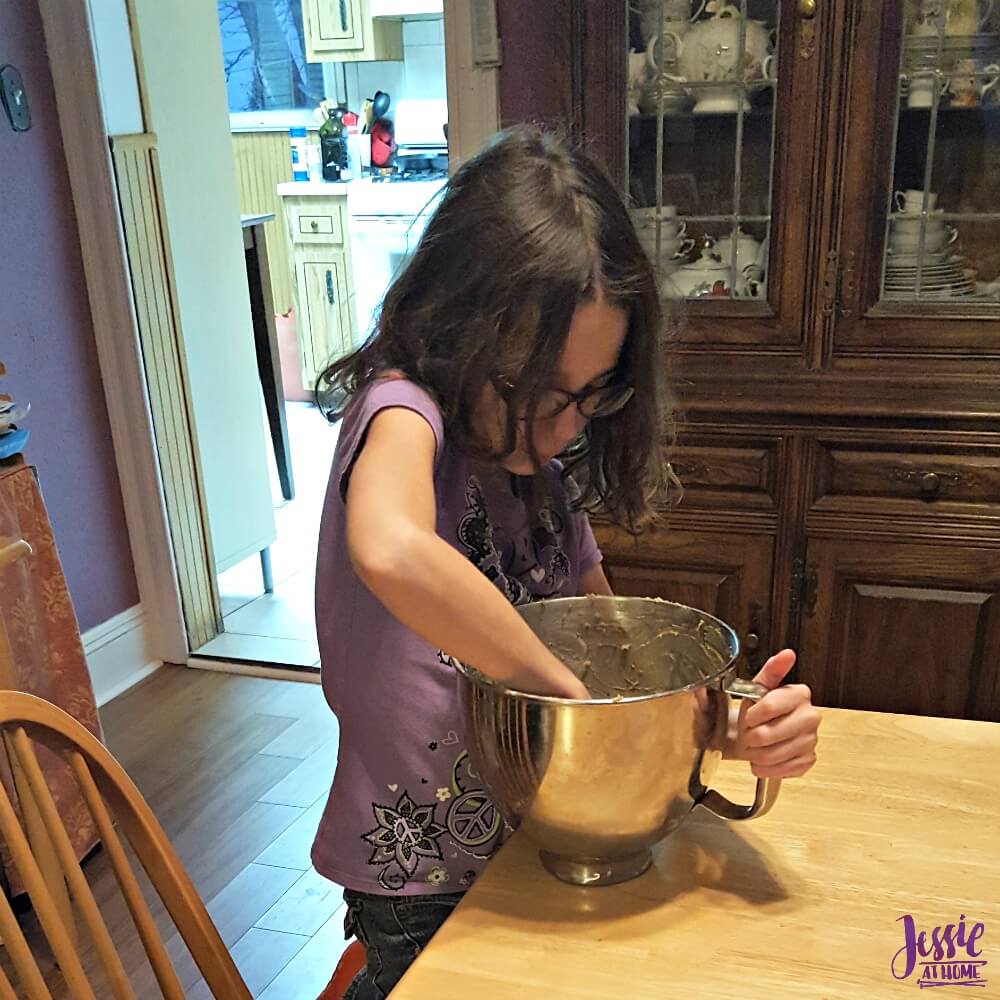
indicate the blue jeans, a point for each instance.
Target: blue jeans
{"x":394,"y":930}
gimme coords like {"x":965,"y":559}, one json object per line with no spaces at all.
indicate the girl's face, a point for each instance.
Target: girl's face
{"x":586,"y":366}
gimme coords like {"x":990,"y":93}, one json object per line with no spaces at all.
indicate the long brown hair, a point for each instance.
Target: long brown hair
{"x":524,"y":233}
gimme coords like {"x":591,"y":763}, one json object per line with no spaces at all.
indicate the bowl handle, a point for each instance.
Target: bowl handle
{"x":767,"y":788}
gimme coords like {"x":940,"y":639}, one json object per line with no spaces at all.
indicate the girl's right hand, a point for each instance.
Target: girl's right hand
{"x":565,"y":685}
{"x":575,"y":689}
{"x":426,"y":583}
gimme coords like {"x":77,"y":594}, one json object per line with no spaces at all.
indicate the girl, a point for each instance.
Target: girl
{"x":526,"y":326}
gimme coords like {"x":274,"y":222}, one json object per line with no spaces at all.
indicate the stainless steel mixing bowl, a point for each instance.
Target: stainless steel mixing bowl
{"x":595,"y":784}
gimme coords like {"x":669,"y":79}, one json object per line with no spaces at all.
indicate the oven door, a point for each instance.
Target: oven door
{"x":380,"y":247}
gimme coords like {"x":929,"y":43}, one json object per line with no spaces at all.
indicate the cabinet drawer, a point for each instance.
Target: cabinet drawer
{"x":310,"y":224}
{"x":727,"y":472}
{"x":924,"y":476}
{"x":316,"y":226}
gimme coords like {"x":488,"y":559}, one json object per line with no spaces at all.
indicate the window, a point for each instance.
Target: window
{"x":268,"y":81}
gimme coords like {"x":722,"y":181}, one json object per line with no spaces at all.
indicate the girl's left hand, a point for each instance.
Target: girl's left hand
{"x":778,"y":734}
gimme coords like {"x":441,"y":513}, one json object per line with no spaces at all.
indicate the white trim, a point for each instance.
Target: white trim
{"x":304,"y":675}
{"x":117,"y":654}
{"x":69,"y":40}
{"x":272,"y":121}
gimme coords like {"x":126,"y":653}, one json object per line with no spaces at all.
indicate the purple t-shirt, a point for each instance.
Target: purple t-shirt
{"x":407,"y":814}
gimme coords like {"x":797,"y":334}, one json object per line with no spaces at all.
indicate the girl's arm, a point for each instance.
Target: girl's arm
{"x":424,"y":582}
{"x":594,"y":581}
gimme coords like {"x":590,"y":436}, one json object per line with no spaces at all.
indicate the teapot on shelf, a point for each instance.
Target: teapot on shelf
{"x":709,"y":276}
{"x":677,"y":15}
{"x":748,"y":250}
{"x":708,"y":52}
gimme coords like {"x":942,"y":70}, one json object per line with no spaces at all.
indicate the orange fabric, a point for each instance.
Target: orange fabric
{"x":351,"y":963}
{"x":36,"y":610}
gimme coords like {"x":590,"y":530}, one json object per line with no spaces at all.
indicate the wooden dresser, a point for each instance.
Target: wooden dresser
{"x":40,"y":647}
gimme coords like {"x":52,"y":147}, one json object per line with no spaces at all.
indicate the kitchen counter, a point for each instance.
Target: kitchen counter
{"x":314,"y":189}
{"x":900,"y":816}
{"x":366,"y":197}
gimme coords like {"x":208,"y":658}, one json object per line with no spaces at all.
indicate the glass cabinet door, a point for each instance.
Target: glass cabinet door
{"x":931,"y":249}
{"x":710,"y":114}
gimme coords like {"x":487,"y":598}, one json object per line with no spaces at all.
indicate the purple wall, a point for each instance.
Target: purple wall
{"x":47,"y":340}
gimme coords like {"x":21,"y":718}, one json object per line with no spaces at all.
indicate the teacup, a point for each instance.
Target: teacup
{"x":676,"y":246}
{"x":935,"y":239}
{"x":679,"y":247}
{"x":671,"y":228}
{"x":911,"y":224}
{"x":922,"y":92}
{"x":641,"y":215}
{"x":911,"y":201}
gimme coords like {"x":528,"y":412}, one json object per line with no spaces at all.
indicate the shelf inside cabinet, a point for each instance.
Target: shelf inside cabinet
{"x":991,"y":111}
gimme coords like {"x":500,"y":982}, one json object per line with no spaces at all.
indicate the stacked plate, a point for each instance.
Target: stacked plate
{"x":945,"y":275}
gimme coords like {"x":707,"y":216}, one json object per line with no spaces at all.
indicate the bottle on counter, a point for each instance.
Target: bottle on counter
{"x":299,"y":140}
{"x":333,"y":147}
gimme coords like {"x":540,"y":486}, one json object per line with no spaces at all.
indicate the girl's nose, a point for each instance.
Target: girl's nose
{"x":571,"y":424}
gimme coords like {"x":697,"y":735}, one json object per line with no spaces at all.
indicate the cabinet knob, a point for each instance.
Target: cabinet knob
{"x":751,"y":643}
{"x":315,"y":226}
{"x":807,"y":9}
{"x":930,"y":484}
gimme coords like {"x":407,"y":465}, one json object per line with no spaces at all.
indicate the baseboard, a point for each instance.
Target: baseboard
{"x":303,"y":675}
{"x":117,"y":655}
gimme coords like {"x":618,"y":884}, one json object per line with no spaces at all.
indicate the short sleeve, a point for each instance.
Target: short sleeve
{"x":385,"y":394}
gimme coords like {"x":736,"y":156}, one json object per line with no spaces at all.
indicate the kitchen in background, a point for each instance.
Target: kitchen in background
{"x":335,"y":231}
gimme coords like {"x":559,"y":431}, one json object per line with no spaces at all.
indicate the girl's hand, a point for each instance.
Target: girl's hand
{"x":573,"y":688}
{"x":777,"y":734}
{"x":557,"y":681}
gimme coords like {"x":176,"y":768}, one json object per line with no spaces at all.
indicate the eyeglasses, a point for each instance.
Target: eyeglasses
{"x":592,"y":402}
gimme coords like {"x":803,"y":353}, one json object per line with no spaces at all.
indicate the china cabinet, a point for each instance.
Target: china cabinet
{"x":818,"y":184}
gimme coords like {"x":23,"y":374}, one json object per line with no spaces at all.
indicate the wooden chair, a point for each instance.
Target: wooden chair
{"x":112,"y":799}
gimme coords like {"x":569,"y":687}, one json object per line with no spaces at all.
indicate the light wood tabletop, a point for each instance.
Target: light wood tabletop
{"x":899,"y":817}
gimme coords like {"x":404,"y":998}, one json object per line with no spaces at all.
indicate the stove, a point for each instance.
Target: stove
{"x":397,"y":176}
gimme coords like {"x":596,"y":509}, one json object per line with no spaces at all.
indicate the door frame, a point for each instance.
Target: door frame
{"x":474,"y":114}
{"x":72,"y":63}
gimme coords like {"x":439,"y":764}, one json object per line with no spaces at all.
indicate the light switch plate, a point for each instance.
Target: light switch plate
{"x":15,"y":100}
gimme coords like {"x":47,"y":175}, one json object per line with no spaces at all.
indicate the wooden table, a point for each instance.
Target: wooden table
{"x":900,"y":816}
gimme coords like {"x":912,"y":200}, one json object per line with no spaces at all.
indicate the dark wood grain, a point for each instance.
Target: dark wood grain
{"x":903,"y":627}
{"x":822,"y":426}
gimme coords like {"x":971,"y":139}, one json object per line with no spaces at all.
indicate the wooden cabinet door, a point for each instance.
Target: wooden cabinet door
{"x":334,"y":25}
{"x":699,"y":157}
{"x":345,"y":31}
{"x":728,"y":575}
{"x":896,"y":626}
{"x":908,"y":273}
{"x":323,"y":318}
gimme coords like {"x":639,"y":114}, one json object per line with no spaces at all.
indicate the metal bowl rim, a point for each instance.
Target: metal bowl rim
{"x":482,"y":681}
